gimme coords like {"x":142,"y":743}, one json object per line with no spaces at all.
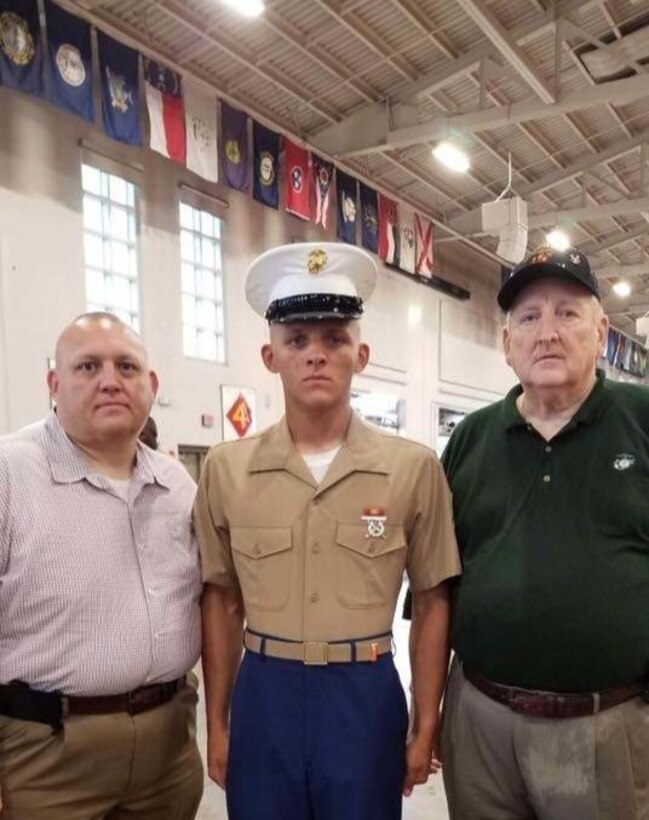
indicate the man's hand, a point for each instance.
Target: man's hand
{"x":421,"y":760}
{"x":217,"y":756}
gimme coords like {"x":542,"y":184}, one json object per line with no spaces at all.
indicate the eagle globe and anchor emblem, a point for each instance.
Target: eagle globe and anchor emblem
{"x":316,"y":261}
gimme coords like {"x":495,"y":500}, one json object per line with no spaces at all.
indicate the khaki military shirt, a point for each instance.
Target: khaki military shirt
{"x":304,"y":555}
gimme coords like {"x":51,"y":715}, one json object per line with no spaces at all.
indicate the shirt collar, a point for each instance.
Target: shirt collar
{"x":360,"y":451}
{"x":68,"y":463}
{"x":588,"y":412}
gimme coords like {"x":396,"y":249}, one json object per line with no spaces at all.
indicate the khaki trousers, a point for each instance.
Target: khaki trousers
{"x":499,"y":765}
{"x":104,"y":767}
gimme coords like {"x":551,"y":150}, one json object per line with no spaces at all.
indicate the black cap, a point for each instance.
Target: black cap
{"x":544,"y":262}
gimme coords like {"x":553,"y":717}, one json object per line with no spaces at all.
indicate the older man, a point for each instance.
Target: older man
{"x":307,"y":528}
{"x":546,"y":715}
{"x":99,"y":598}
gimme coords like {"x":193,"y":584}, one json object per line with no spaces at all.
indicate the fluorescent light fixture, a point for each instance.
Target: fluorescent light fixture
{"x":452,"y":157}
{"x":622,"y":288}
{"x":558,"y":239}
{"x":247,"y":8}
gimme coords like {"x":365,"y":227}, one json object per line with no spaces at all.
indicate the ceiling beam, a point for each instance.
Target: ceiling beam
{"x":373,"y":130}
{"x":608,"y":271}
{"x":619,"y":238}
{"x":525,"y":33}
{"x":471,"y":221}
{"x":507,"y":46}
{"x":619,"y":208}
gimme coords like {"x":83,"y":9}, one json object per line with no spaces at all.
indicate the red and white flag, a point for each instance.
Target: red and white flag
{"x":323,"y":173}
{"x":424,"y":246}
{"x":200,"y":122}
{"x":406,"y":239}
{"x":165,"y":104}
{"x":297,"y":180}
{"x":388,"y":230}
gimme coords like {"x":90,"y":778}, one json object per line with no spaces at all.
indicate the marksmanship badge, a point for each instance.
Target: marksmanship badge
{"x":376,"y":518}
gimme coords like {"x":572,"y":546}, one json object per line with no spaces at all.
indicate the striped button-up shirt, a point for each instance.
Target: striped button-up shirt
{"x":98,"y":595}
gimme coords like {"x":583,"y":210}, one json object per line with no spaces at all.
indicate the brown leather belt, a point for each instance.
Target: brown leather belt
{"x":135,"y":702}
{"x":319,"y":653}
{"x":536,"y":703}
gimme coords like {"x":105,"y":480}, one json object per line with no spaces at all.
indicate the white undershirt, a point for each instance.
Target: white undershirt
{"x":319,"y":463}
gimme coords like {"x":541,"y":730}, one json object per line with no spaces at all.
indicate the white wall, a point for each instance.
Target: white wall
{"x":428,"y":348}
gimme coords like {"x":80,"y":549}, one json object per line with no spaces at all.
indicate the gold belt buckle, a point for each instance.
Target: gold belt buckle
{"x":316,"y":653}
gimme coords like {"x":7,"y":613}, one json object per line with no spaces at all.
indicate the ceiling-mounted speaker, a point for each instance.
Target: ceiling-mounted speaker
{"x":507,"y":219}
{"x":642,"y":326}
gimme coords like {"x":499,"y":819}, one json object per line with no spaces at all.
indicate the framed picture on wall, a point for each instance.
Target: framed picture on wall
{"x":239,"y":412}
{"x":447,"y":420}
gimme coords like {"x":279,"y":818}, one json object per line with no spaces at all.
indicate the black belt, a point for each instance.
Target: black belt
{"x":20,"y":701}
{"x":537,"y":703}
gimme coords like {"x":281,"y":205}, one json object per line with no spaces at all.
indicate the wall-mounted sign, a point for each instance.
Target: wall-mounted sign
{"x":239,"y":412}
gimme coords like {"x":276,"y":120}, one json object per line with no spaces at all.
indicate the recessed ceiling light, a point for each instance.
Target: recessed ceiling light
{"x":247,"y":8}
{"x":452,"y":157}
{"x":558,"y":239}
{"x":622,"y":288}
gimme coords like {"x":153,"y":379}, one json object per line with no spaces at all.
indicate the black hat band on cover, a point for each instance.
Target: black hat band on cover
{"x":330,"y":304}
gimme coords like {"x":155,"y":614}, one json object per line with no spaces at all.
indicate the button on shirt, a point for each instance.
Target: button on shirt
{"x":310,"y":564}
{"x":98,"y":595}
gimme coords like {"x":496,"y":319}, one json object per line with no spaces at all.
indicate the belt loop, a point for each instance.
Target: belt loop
{"x":596,"y":702}
{"x":353,"y":651}
{"x":262,"y":646}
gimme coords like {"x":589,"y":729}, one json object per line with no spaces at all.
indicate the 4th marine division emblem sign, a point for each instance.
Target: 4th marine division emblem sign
{"x":15,"y":38}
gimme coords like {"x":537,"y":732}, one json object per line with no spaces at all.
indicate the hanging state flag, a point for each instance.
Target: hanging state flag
{"x":200,"y":127}
{"x":369,"y":218}
{"x":69,"y":61}
{"x":297,"y":180}
{"x":234,"y":144}
{"x":265,"y":187}
{"x":388,"y":230}
{"x":21,"y":51}
{"x":120,"y":96}
{"x":346,"y":188}
{"x":164,"y":100}
{"x":323,"y":172}
{"x":407,"y":239}
{"x":423,"y":246}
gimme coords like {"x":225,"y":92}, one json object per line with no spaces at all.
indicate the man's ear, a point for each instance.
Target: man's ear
{"x":155,"y":382}
{"x":362,"y":358}
{"x":507,"y":344}
{"x":268,"y":357}
{"x":53,"y":383}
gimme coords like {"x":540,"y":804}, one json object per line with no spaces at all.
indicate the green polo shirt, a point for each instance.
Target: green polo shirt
{"x":554,"y":538}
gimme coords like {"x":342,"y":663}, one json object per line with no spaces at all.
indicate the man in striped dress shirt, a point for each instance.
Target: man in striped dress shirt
{"x":99,"y":598}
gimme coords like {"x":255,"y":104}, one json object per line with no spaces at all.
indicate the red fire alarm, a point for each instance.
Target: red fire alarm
{"x":207,"y":420}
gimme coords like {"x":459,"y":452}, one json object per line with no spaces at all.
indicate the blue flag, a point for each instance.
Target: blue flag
{"x":70,"y":61}
{"x":120,"y":95}
{"x":346,"y":196}
{"x":234,"y":145}
{"x":369,"y":218}
{"x":21,"y":50}
{"x":266,"y":162}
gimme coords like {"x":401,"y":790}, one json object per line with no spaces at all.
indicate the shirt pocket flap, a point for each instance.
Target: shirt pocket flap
{"x":355,"y":537}
{"x":260,"y":542}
